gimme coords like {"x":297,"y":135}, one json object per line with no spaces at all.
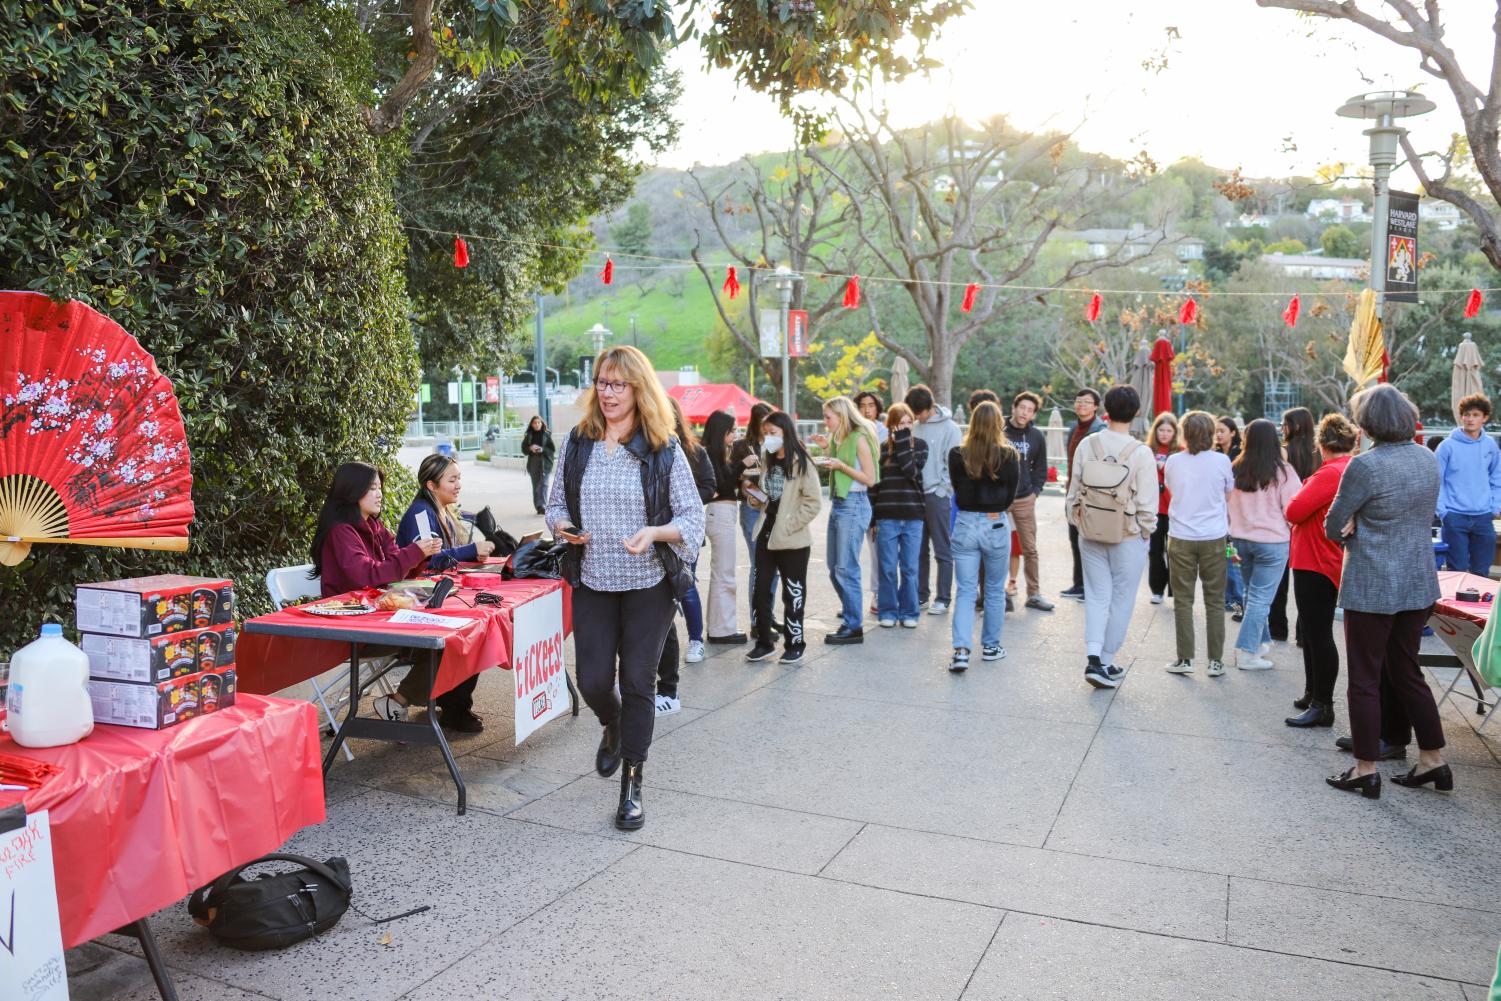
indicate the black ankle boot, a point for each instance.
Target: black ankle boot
{"x":1304,"y":701}
{"x":1317,"y":714}
{"x":632,"y":813}
{"x":607,"y":758}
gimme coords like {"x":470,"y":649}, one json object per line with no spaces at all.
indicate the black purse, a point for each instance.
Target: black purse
{"x":273,"y":910}
{"x":537,"y":559}
{"x":486,"y":525}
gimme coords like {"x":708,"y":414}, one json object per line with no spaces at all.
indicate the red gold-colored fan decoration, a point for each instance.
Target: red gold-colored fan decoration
{"x":92,"y":447}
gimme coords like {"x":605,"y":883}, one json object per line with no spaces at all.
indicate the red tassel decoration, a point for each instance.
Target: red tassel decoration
{"x":731,"y":283}
{"x":1290,"y":314}
{"x":1189,"y":313}
{"x":1092,"y":311}
{"x":460,"y":252}
{"x":970,"y":291}
{"x":852,"y":293}
{"x":608,"y":274}
{"x":1472,"y":306}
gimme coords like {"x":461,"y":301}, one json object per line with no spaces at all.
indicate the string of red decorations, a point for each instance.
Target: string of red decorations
{"x":731,"y":282}
{"x":1092,"y":311}
{"x":460,"y":252}
{"x":852,"y":293}
{"x":1473,"y":304}
{"x":1290,"y":314}
{"x":970,"y":291}
{"x":608,"y":274}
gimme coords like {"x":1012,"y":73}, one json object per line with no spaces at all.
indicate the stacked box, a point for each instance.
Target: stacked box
{"x":161,"y":649}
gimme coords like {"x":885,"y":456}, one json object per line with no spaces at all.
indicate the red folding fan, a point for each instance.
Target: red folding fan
{"x":92,"y":447}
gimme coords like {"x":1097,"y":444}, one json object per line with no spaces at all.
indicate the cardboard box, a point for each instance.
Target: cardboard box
{"x":216,"y":689}
{"x":170,"y":655}
{"x":151,"y":707}
{"x":150,"y":606}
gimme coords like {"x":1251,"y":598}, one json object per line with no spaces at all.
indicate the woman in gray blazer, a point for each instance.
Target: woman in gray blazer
{"x":1383,"y":513}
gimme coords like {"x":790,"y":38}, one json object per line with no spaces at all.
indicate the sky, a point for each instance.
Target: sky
{"x":1244,"y":86}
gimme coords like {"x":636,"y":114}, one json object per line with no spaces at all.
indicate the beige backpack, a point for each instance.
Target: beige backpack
{"x":1105,"y":507}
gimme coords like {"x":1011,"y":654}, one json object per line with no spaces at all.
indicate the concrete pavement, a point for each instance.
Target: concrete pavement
{"x":866,"y":825}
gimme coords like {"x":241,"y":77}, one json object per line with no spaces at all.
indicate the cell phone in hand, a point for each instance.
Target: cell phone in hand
{"x":755,"y":494}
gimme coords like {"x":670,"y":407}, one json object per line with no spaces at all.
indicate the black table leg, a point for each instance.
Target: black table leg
{"x":442,"y":739}
{"x":354,"y":707}
{"x":573,"y":693}
{"x":141,"y":931}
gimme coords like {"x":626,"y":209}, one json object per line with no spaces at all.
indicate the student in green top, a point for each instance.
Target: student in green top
{"x":850,"y":456}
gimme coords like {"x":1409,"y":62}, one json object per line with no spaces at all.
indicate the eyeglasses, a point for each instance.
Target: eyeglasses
{"x":612,"y":386}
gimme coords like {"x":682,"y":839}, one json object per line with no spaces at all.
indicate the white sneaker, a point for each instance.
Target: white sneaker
{"x":1216,"y":668}
{"x":888,"y":623}
{"x":695,"y":653}
{"x":938,"y":608}
{"x":1251,"y":662}
{"x":387,"y":708}
{"x":1156,"y":599}
{"x":1181,"y":667}
{"x":1266,"y":648}
{"x":667,"y":705}
{"x":909,"y":623}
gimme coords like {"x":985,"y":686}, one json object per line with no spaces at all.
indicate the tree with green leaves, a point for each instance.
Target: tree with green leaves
{"x":1340,"y":241}
{"x":632,"y":235}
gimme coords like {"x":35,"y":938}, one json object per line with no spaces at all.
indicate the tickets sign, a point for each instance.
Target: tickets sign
{"x":537,"y":666}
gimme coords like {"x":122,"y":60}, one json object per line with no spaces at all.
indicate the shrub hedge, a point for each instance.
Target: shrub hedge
{"x":199,"y":170}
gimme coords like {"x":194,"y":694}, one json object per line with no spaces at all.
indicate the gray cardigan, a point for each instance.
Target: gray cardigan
{"x":1391,"y":492}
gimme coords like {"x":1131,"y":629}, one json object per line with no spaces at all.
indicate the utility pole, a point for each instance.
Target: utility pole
{"x":544,"y":405}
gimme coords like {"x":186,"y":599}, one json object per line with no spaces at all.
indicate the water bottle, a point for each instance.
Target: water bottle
{"x":47,"y":702}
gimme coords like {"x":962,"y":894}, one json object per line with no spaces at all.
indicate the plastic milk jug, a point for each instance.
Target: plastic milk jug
{"x":48,"y":701}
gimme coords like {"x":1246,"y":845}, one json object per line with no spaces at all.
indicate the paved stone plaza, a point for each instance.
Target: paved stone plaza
{"x":866,"y":825}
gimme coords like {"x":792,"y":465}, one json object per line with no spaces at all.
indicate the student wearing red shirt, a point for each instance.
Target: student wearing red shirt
{"x":1316,"y":563}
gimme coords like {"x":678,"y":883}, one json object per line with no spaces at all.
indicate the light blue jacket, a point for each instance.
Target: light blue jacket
{"x":1470,"y":475}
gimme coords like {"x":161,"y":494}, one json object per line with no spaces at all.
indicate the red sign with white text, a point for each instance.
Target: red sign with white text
{"x":797,"y":333}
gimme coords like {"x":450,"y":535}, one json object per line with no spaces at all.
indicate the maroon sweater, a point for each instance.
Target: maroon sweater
{"x":365,"y":554}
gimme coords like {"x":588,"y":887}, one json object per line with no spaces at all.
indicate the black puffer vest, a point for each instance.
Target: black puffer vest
{"x":656,"y":488}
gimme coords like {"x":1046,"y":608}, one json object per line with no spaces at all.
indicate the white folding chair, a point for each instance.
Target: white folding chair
{"x":290,"y":585}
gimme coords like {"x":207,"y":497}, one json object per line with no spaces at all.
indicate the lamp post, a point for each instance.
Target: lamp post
{"x":784,"y":279}
{"x":1383,"y":107}
{"x":544,"y":405}
{"x":599,"y":333}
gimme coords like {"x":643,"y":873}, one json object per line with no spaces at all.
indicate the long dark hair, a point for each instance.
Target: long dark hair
{"x":1234,"y":429}
{"x":753,"y":430}
{"x":1259,"y":464}
{"x":796,"y":460}
{"x":717,"y":441}
{"x":341,"y":506}
{"x":539,"y":433}
{"x":686,"y":437}
{"x":432,"y":469}
{"x":1302,"y":454}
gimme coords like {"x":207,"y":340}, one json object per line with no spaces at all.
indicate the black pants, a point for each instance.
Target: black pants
{"x":1316,"y":596}
{"x":538,"y":472}
{"x":622,"y":631}
{"x":1073,"y":545}
{"x":667,"y":664}
{"x":792,"y":565}
{"x":1157,"y":576}
{"x":414,"y":687}
{"x":1385,"y":648}
{"x":1276,"y":620}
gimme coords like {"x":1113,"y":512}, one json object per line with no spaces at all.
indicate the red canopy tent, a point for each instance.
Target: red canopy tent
{"x":698,"y":402}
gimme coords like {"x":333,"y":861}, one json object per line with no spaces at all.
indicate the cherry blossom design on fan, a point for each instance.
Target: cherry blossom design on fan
{"x":92,"y":444}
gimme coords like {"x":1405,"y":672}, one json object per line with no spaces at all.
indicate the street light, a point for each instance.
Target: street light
{"x":1383,"y":107}
{"x":599,"y":333}
{"x":784,"y":279}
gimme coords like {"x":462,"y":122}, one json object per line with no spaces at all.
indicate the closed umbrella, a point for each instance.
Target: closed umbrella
{"x":1365,"y":357}
{"x":1465,"y":379}
{"x":1141,"y":381}
{"x":899,"y":379}
{"x":1162,"y":376}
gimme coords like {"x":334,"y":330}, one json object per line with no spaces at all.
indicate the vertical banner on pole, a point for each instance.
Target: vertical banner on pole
{"x":453,"y":393}
{"x":797,"y":333}
{"x":1402,"y":247}
{"x":769,"y":326}
{"x":492,"y":389}
{"x":427,"y":392}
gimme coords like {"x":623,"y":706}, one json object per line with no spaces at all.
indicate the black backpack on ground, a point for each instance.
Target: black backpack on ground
{"x":273,"y":910}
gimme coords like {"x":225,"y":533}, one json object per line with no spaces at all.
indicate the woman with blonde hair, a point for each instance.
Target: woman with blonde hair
{"x":850,"y":456}
{"x":626,"y":501}
{"x":985,"y":471}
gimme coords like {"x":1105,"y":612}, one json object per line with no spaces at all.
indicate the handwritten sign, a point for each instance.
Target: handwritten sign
{"x":411,"y":617}
{"x":31,"y":940}
{"x":537,"y":668}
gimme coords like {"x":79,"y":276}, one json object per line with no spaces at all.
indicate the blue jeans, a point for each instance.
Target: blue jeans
{"x":1235,"y":593}
{"x":1262,"y":564}
{"x":978,"y":539}
{"x":1471,"y":539}
{"x":849,"y":519}
{"x":693,"y":607}
{"x":897,"y":543}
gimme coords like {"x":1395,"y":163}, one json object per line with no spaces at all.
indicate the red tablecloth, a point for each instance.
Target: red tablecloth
{"x":266,"y":664}
{"x":1451,"y":582}
{"x":142,"y":818}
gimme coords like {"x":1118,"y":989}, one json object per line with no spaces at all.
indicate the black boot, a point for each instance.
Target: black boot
{"x":1317,"y":714}
{"x":607,"y":758}
{"x":631,"y":814}
{"x":1304,"y":701}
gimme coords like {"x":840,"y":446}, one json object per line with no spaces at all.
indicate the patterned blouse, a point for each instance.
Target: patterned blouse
{"x":613,"y":509}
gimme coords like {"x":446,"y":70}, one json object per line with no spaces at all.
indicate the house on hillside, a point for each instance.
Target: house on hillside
{"x":1345,"y":210}
{"x":1134,"y":243}
{"x":1323,"y":268}
{"x":1439,"y":215}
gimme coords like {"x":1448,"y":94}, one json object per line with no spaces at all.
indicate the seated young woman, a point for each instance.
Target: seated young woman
{"x":438,"y":484}
{"x":351,"y":548}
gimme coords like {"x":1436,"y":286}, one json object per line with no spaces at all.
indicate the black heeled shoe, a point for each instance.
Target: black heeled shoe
{"x":1368,"y":786}
{"x":1304,"y":701}
{"x":607,"y":758}
{"x":1441,"y":777}
{"x":632,"y":812}
{"x":1317,"y":714}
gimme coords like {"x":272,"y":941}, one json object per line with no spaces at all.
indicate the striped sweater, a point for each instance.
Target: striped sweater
{"x":899,"y":494}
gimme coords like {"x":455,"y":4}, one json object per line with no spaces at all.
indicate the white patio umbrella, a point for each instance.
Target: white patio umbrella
{"x":899,"y":378}
{"x":1141,"y":381}
{"x":1465,"y":379}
